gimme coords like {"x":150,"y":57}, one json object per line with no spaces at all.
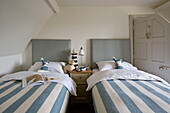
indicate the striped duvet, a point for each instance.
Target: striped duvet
{"x":50,"y":97}
{"x":131,"y":96}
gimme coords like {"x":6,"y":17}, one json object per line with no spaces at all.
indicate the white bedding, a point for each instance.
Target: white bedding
{"x":95,"y":70}
{"x":61,"y":78}
{"x":120,"y":74}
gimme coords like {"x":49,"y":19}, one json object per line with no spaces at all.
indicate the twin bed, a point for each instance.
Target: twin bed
{"x":114,"y":95}
{"x":126,"y":90}
{"x":113,"y":90}
{"x":52,"y":97}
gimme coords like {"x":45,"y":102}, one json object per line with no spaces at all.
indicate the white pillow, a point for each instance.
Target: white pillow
{"x":106,"y":65}
{"x":53,"y":67}
{"x":56,"y":67}
{"x":37,"y":66}
{"x":128,"y":66}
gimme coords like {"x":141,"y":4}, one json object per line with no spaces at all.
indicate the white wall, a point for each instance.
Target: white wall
{"x":27,"y":57}
{"x":20,"y":20}
{"x":10,"y":64}
{"x":83,"y":23}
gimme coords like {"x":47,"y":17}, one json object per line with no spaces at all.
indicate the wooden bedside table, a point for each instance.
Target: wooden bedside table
{"x":80,"y":78}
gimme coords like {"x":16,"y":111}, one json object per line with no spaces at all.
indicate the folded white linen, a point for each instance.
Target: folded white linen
{"x":120,"y":74}
{"x":61,"y":78}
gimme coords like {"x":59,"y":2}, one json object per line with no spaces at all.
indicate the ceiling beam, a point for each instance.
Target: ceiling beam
{"x":53,"y":5}
{"x":158,"y":4}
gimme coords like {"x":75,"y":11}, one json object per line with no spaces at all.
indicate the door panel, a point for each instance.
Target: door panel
{"x":141,"y":51}
{"x":158,"y":52}
{"x":157,"y":33}
{"x":141,"y":29}
{"x":153,"y":50}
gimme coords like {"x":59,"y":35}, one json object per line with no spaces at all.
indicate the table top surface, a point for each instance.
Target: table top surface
{"x":87,"y":71}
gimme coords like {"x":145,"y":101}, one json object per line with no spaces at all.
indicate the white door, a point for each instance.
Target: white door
{"x":152,"y":45}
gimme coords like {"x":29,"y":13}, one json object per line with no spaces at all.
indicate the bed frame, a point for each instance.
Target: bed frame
{"x":105,"y":49}
{"x":51,"y":49}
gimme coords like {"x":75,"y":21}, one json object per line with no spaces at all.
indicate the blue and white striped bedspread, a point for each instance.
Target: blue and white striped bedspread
{"x":50,"y":97}
{"x":131,"y":96}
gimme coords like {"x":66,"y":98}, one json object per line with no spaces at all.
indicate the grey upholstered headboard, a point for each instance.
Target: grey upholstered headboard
{"x":105,"y":49}
{"x":51,"y":49}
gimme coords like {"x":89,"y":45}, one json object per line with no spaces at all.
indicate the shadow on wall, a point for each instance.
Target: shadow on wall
{"x":10,"y":64}
{"x":27,"y":57}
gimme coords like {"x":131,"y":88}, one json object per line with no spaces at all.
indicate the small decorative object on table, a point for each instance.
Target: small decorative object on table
{"x":74,"y":57}
{"x":81,"y":53}
{"x":82,"y":68}
{"x":69,"y":66}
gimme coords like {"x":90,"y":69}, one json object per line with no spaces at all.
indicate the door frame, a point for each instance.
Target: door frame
{"x":131,"y":32}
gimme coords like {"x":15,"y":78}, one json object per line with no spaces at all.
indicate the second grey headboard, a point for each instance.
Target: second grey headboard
{"x":51,"y":49}
{"x":105,"y":49}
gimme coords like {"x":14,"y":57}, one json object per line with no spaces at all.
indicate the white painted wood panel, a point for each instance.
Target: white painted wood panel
{"x":158,"y":52}
{"x":140,"y":29}
{"x":141,"y":51}
{"x":158,"y":30}
{"x":156,"y":46}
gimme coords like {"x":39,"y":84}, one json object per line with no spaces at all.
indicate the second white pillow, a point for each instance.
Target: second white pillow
{"x":106,"y":65}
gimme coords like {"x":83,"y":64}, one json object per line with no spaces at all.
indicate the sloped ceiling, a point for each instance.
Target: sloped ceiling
{"x":106,"y":3}
{"x":20,"y":20}
{"x":164,"y":10}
